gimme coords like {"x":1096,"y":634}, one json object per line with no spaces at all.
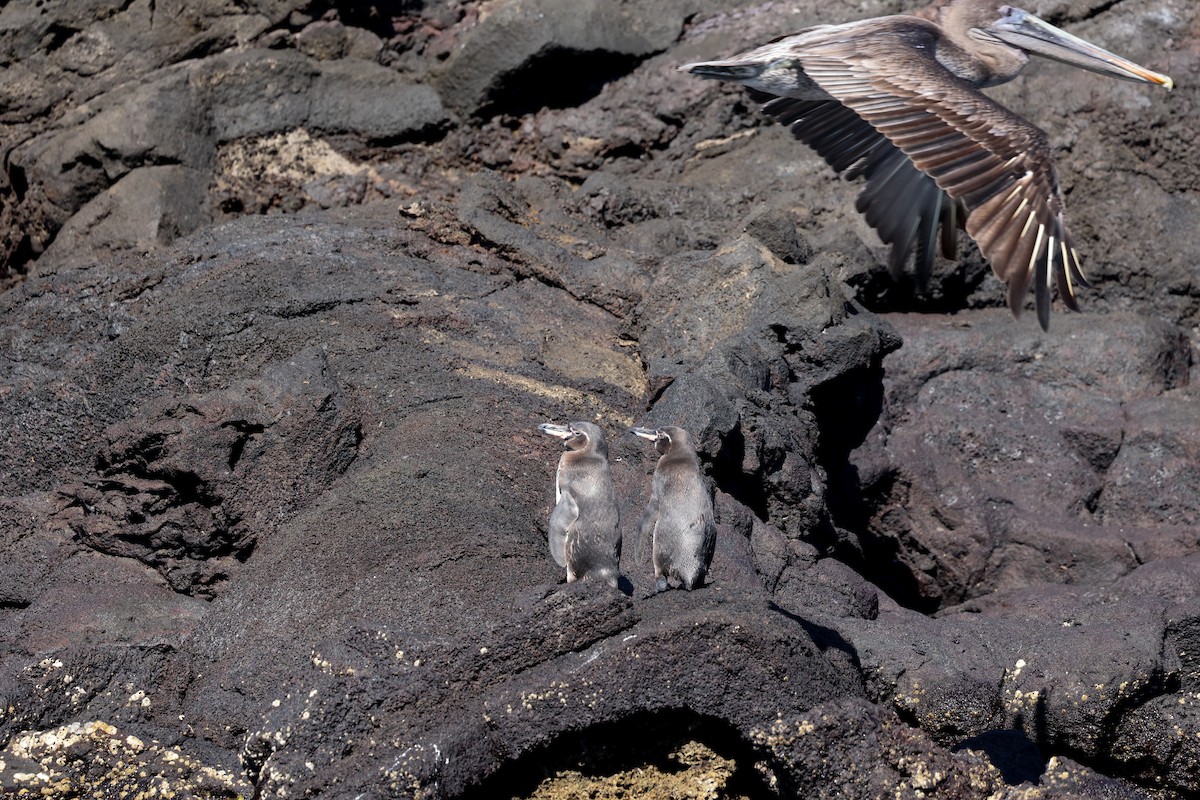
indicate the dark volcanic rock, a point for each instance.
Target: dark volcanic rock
{"x":187,"y":485}
{"x":683,"y":656}
{"x":1153,"y":480}
{"x":992,"y":466}
{"x":751,"y":400}
{"x":275,"y":509}
{"x":413,"y":419}
{"x":1061,"y":664}
{"x":867,"y":752}
{"x":525,"y":56}
{"x":176,"y":117}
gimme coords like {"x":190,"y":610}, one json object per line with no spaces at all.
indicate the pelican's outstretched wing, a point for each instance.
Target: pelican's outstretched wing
{"x":999,"y":166}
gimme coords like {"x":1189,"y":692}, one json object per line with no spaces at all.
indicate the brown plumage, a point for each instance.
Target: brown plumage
{"x":895,"y":100}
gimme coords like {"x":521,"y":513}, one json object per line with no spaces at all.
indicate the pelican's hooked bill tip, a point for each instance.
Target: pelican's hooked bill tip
{"x":1150,"y":76}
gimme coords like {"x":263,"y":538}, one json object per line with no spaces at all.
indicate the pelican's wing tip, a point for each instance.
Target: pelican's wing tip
{"x":1041,"y":302}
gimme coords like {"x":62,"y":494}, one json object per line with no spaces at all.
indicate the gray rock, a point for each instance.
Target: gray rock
{"x":1152,"y":479}
{"x":515,"y":59}
{"x":380,"y":107}
{"x":996,"y":447}
{"x":274,"y":498}
{"x":1059,"y":663}
{"x":145,"y":209}
{"x":177,"y":117}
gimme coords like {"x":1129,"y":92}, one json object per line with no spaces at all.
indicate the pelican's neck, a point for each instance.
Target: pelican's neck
{"x":978,"y":60}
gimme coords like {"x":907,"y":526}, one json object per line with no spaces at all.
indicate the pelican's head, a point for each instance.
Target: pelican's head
{"x":992,"y":23}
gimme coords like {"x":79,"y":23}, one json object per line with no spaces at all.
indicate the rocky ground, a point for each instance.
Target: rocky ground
{"x":289,"y":285}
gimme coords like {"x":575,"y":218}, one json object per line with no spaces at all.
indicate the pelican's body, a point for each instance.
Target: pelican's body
{"x":895,"y":100}
{"x":585,"y":532}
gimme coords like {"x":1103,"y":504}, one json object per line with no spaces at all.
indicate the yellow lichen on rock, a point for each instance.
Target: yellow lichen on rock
{"x":703,"y":775}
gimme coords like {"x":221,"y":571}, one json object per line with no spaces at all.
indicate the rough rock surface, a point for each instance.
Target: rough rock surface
{"x":288,"y":287}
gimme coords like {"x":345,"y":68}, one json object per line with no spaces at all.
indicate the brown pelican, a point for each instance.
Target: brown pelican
{"x":895,"y":100}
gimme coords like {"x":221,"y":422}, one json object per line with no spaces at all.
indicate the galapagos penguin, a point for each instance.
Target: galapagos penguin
{"x":585,"y":533}
{"x":679,"y":515}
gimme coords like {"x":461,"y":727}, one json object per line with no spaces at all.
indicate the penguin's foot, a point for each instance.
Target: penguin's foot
{"x":661,"y":584}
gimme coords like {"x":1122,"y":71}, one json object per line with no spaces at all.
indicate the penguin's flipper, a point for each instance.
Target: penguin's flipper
{"x":561,"y":519}
{"x":645,"y":542}
{"x":710,"y":542}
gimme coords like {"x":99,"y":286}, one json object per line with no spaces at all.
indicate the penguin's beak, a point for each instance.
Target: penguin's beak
{"x":645,"y":433}
{"x":558,"y":431}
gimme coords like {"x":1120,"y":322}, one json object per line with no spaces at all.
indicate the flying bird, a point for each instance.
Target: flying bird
{"x":896,"y":100}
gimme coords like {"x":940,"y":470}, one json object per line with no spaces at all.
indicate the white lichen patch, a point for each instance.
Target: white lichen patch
{"x":1023,"y":701}
{"x":921,"y":776}
{"x":592,"y":698}
{"x":549,"y":391}
{"x":911,"y":698}
{"x":782,"y":734}
{"x":1018,"y":699}
{"x":266,"y":169}
{"x":326,"y":666}
{"x":94,"y":759}
{"x":413,"y":771}
{"x":295,"y":156}
{"x":556,"y":692}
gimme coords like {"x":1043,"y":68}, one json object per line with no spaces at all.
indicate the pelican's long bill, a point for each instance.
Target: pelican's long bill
{"x":1033,"y":35}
